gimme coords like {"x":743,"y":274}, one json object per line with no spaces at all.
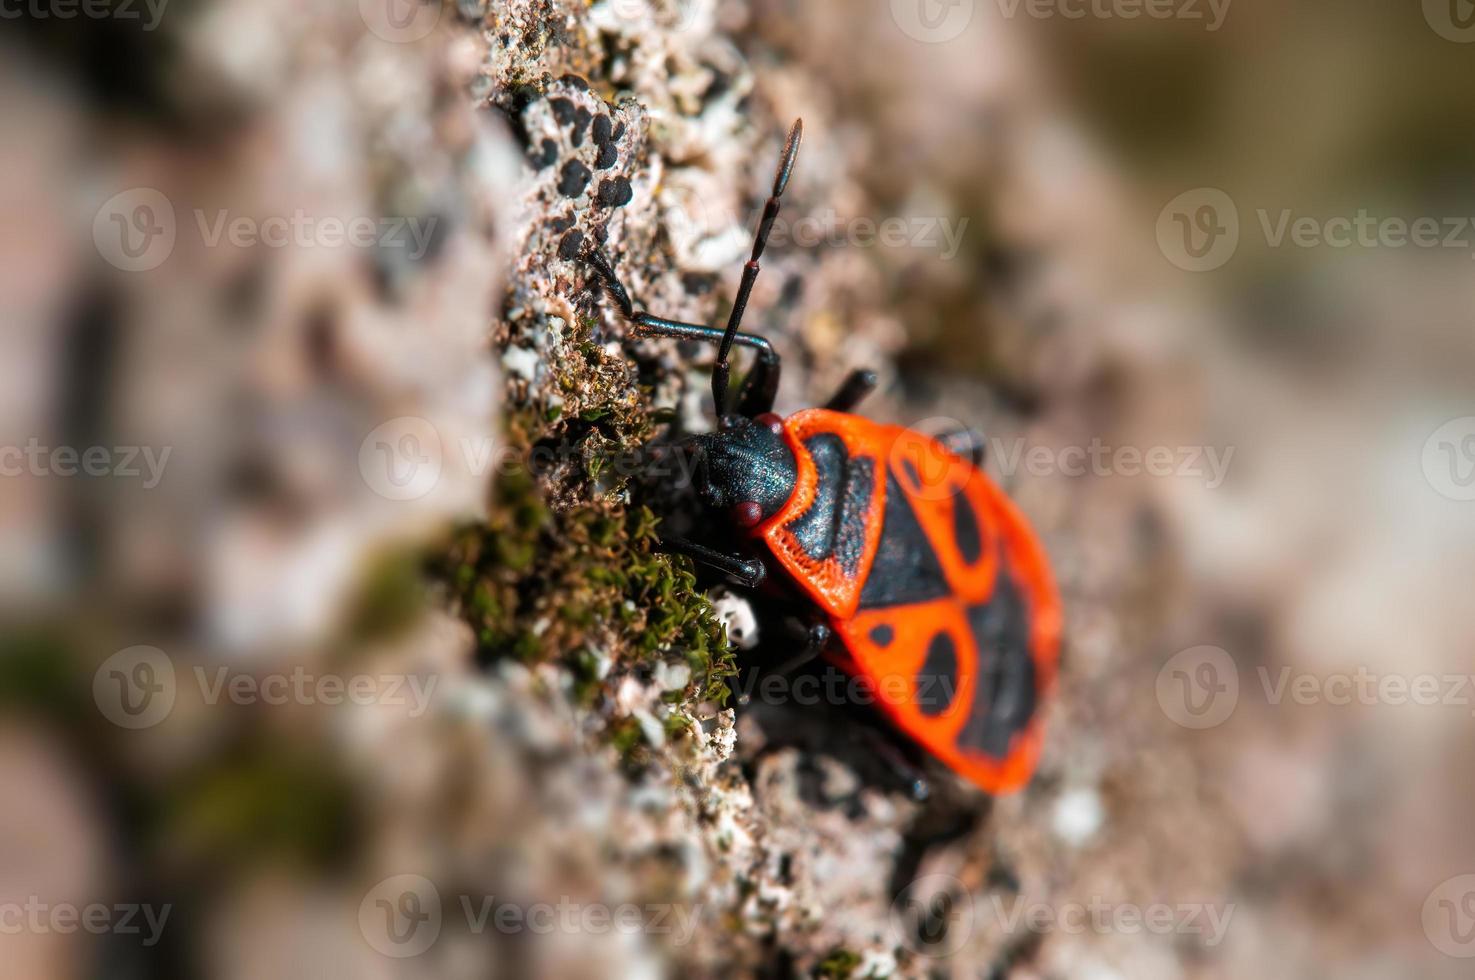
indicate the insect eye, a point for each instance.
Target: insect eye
{"x":747,"y":513}
{"x":770,"y":421}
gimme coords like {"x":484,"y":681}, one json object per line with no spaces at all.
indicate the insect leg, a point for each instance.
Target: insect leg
{"x":747,"y":572}
{"x":816,"y":638}
{"x":857,"y":386}
{"x":761,"y":387}
{"x":908,"y":774}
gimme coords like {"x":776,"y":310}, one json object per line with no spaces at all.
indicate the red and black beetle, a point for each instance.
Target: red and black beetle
{"x":922,"y":576}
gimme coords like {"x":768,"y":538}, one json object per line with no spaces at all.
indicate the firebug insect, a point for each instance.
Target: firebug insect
{"x":917,"y":572}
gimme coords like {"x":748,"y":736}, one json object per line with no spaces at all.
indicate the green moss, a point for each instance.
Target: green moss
{"x":38,"y":671}
{"x":838,"y":964}
{"x":269,"y":802}
{"x":565,"y":565}
{"x":391,"y":596}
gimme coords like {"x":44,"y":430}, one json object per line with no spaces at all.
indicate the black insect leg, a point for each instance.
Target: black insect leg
{"x":966,"y":442}
{"x":857,"y":386}
{"x":815,"y":638}
{"x":747,"y":572}
{"x":884,"y":746}
{"x":761,"y":387}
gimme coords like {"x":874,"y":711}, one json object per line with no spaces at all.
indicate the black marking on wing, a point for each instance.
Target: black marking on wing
{"x":937,"y":681}
{"x":815,"y":528}
{"x":834,"y":524}
{"x":1004,"y":695}
{"x":966,"y":530}
{"x":882,"y":634}
{"x":911,"y":469}
{"x":906,"y":568}
{"x":850,"y":539}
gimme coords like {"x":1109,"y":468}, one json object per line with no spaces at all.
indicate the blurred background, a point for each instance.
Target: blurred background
{"x":332,"y":641}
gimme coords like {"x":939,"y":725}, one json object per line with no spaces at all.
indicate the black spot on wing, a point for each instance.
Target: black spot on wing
{"x":882,"y":634}
{"x":834,"y":524}
{"x":906,"y":568}
{"x":1004,"y":696}
{"x":938,"y":678}
{"x":967,"y":532}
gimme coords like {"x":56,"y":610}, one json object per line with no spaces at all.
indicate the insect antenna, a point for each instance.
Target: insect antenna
{"x":720,"y":370}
